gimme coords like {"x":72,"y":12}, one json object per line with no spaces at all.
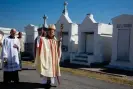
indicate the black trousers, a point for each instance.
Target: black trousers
{"x":10,"y":76}
{"x":20,"y":61}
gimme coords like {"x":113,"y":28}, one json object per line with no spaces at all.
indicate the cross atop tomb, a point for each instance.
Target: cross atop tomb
{"x":45,"y":21}
{"x":65,"y":12}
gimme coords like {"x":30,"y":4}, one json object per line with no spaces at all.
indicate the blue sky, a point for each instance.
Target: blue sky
{"x":19,"y":13}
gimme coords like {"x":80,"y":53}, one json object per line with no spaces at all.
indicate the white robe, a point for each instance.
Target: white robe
{"x":21,"y":44}
{"x":11,"y":53}
{"x":46,"y":63}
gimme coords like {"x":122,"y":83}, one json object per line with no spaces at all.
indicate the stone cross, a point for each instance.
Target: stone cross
{"x":45,"y":20}
{"x":65,"y":12}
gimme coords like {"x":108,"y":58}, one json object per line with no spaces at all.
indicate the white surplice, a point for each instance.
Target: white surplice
{"x":11,"y":53}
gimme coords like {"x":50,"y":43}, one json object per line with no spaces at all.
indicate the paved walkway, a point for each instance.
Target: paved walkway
{"x":30,"y":80}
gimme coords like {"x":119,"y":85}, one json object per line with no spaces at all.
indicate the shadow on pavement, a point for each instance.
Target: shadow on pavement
{"x":28,"y":69}
{"x":24,"y":85}
{"x":118,"y":71}
{"x":96,"y":65}
{"x":25,"y":69}
{"x":76,"y":66}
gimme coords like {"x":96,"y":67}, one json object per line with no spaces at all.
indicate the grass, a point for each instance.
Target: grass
{"x":105,"y":77}
{"x":27,"y":63}
{"x":89,"y":74}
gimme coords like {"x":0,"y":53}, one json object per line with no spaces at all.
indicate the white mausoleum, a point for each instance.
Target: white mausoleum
{"x":90,"y":41}
{"x":31,"y":34}
{"x":70,"y":34}
{"x":122,"y":47}
{"x":6,"y":32}
{"x":106,"y":41}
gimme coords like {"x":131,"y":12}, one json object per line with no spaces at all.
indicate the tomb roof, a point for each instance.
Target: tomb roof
{"x":65,"y":14}
{"x":91,"y":17}
{"x":123,"y":15}
{"x":7,"y":29}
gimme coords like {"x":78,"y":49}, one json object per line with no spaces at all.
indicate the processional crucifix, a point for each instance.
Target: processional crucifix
{"x":61,"y":30}
{"x":59,"y":44}
{"x":60,"y":33}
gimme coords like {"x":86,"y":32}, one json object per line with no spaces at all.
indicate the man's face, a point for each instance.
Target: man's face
{"x":51,"y":33}
{"x":13,"y":32}
{"x":20,"y":34}
{"x":40,"y":32}
{"x":44,"y":33}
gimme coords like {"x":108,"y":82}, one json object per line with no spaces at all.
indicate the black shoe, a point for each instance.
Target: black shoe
{"x":7,"y":81}
{"x":45,"y":85}
{"x":16,"y":82}
{"x":20,"y":70}
{"x":48,"y":82}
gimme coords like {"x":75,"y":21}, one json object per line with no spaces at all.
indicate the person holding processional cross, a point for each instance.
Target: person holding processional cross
{"x":48,"y":55}
{"x":1,"y":42}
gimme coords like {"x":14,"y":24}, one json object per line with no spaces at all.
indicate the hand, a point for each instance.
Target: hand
{"x":5,"y":62}
{"x":60,"y":39}
{"x":1,"y":44}
{"x":15,"y":46}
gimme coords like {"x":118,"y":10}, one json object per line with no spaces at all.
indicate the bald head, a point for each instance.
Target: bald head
{"x":13,"y":32}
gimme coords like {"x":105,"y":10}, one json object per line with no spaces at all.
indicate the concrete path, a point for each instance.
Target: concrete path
{"x":30,"y":80}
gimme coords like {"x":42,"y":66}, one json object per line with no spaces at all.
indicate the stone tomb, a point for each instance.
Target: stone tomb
{"x":6,"y":32}
{"x":70,"y":31}
{"x":90,"y":42}
{"x":122,"y":47}
{"x":31,"y":34}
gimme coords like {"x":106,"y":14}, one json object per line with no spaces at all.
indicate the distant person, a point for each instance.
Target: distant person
{"x":10,"y":58}
{"x":21,"y":47}
{"x":21,"y":41}
{"x":40,"y":34}
{"x":1,"y":42}
{"x":44,"y":31}
{"x":48,"y":57}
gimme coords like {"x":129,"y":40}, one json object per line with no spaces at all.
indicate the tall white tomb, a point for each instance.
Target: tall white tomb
{"x":122,"y":47}
{"x":70,"y":34}
{"x":90,"y":41}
